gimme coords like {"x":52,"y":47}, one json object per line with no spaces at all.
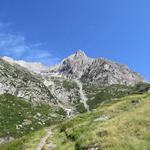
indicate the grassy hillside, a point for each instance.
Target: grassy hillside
{"x":28,"y":142}
{"x":97,"y":95}
{"x":122,"y":124}
{"x":19,"y":117}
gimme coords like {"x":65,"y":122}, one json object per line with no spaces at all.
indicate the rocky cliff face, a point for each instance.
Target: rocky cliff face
{"x":106,"y":72}
{"x":65,"y":91}
{"x":73,"y":66}
{"x":20,"y":82}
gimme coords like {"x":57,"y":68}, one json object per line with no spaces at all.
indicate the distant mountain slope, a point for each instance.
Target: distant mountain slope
{"x":31,"y":66}
{"x":18,"y":81}
{"x":106,"y":72}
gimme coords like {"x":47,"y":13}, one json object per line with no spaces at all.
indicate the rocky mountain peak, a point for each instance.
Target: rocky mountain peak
{"x":99,"y":71}
{"x":80,"y":53}
{"x":74,"y":65}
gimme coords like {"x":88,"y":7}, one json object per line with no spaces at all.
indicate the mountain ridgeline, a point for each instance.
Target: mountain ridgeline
{"x":59,"y":84}
{"x":96,"y":71}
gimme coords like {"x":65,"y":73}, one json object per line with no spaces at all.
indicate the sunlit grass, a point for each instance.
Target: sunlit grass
{"x":127,"y":128}
{"x":28,"y":142}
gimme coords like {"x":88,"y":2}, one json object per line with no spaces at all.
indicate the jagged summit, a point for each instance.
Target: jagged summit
{"x":80,"y":53}
{"x":74,"y":65}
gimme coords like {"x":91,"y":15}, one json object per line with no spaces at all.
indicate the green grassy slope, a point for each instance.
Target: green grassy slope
{"x":123,"y":124}
{"x":118,"y":124}
{"x":97,"y":95}
{"x":19,"y":117}
{"x":28,"y":142}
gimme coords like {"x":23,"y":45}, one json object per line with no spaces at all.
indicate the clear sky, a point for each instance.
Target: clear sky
{"x":49,"y":30}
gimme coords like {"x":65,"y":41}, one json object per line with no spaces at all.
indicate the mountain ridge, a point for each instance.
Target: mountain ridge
{"x":74,"y":66}
{"x":60,"y":84}
{"x":78,"y":65}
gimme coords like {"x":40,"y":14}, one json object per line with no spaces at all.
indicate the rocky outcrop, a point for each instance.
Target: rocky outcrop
{"x":65,"y":91}
{"x":106,"y":72}
{"x":6,"y":139}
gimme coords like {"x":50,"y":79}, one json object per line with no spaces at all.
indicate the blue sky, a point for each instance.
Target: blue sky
{"x":49,"y":30}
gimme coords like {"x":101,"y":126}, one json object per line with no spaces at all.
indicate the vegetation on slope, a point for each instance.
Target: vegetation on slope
{"x":120,"y":124}
{"x":98,"y":95}
{"x":19,"y":117}
{"x":80,"y":108}
{"x":28,"y":142}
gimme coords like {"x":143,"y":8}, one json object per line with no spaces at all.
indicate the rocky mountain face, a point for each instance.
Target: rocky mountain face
{"x":95,"y":71}
{"x":20,"y":82}
{"x":74,"y":66}
{"x":31,"y":66}
{"x":106,"y":72}
{"x":64,"y":84}
{"x":65,"y":91}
